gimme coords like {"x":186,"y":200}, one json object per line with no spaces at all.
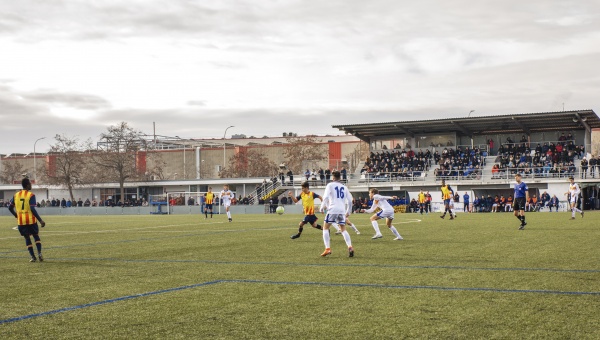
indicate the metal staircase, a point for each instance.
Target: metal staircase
{"x":267,"y":191}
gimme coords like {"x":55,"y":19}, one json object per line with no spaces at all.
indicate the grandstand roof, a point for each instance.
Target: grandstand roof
{"x":524,"y":123}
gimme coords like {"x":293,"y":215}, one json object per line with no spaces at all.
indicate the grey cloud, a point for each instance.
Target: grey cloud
{"x":297,"y":23}
{"x":74,"y":100}
{"x":196,"y":103}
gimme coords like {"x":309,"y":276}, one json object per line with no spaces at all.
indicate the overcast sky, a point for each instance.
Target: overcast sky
{"x":195,"y":67}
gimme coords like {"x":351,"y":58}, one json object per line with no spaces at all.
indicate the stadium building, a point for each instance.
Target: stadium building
{"x":479,"y":156}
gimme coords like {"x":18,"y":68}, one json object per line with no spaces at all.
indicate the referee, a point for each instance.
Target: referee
{"x":521,"y":196}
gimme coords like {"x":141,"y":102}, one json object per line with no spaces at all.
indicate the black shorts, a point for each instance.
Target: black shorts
{"x":310,"y":219}
{"x":30,"y":229}
{"x":519,"y":204}
{"x":208,"y":206}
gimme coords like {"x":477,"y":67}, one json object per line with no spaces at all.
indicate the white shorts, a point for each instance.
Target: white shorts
{"x":226,"y":204}
{"x":386,"y":214}
{"x":573,"y":199}
{"x":336,"y":218}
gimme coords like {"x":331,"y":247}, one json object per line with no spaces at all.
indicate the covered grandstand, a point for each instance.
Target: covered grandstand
{"x":480,"y":155}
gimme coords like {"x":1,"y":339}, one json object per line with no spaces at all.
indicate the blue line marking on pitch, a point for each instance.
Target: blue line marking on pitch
{"x":324,"y":264}
{"x":329,"y":284}
{"x":123,"y":298}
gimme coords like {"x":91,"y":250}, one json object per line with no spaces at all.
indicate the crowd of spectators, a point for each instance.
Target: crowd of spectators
{"x":544,"y":160}
{"x":500,"y":203}
{"x":396,"y":164}
{"x":67,"y":203}
{"x":459,"y":163}
{"x":322,"y":177}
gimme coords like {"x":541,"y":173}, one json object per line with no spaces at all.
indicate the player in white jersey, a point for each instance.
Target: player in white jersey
{"x":338,"y":202}
{"x":573,"y":193}
{"x":387,"y":212}
{"x":226,"y":196}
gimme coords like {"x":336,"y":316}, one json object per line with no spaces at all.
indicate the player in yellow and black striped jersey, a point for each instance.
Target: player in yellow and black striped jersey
{"x":209,"y":197}
{"x":308,"y":204}
{"x":22,"y":206}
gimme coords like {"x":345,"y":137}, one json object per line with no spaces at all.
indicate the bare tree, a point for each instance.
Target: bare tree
{"x":158,"y":170}
{"x":299,"y":149}
{"x":67,"y":164}
{"x":358,"y":155}
{"x":12,"y":172}
{"x":249,"y":164}
{"x":118,"y":152}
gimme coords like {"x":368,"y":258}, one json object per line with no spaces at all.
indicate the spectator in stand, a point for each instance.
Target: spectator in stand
{"x":509,"y":203}
{"x":544,"y":199}
{"x":321,"y":176}
{"x":344,"y":174}
{"x":495,"y":204}
{"x":553,"y":203}
{"x":290,"y":175}
{"x":466,"y":207}
{"x":489,"y":202}
{"x":502,"y":204}
{"x":592,"y":163}
{"x":476,"y":205}
{"x":281,"y":174}
{"x":562,"y":138}
{"x":531,"y":204}
{"x":584,"y":168}
{"x":413,"y":206}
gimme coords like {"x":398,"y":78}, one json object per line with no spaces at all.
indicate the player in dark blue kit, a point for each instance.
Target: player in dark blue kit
{"x":521,"y":196}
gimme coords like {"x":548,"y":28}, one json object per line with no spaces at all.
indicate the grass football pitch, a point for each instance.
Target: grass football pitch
{"x":169,"y":277}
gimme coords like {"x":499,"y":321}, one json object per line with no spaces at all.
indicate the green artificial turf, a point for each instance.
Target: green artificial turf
{"x":170,"y":277}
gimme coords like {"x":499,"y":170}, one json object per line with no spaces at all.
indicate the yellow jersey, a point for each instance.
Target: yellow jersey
{"x":446,"y":194}
{"x":209,"y":197}
{"x":308,"y":202}
{"x":422,"y":198}
{"x":23,"y":201}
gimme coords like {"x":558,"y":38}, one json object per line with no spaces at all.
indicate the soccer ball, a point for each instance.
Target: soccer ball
{"x":280,"y":210}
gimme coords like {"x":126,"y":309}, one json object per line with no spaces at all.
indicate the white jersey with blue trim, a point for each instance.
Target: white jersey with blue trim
{"x":226,"y":196}
{"x":574,"y":189}
{"x":337,"y":199}
{"x":381,"y":202}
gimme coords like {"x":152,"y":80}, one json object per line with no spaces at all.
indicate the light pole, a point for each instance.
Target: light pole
{"x":224,"y":146}
{"x":34,"y":163}
{"x":470,"y":113}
